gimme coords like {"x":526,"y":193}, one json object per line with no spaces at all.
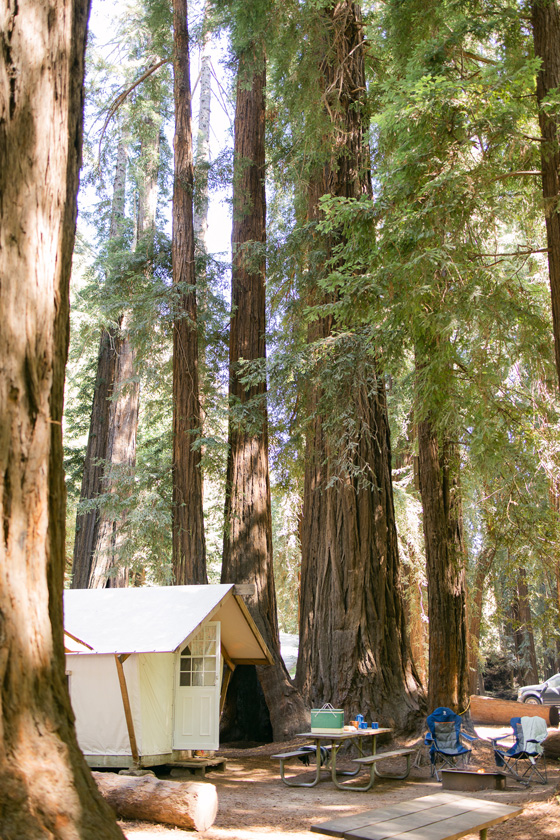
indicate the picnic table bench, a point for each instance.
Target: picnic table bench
{"x":308,"y":751}
{"x":333,"y":742}
{"x":440,"y":816}
{"x":372,"y":761}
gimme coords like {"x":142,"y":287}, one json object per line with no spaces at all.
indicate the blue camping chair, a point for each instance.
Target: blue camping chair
{"x":445,"y":740}
{"x":524,"y":760}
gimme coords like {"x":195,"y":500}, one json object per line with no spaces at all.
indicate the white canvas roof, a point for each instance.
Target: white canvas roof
{"x":159,"y":619}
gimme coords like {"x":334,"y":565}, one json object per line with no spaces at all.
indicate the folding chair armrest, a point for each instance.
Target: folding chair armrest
{"x":429,"y":739}
{"x":471,"y":738}
{"x":501,"y":739}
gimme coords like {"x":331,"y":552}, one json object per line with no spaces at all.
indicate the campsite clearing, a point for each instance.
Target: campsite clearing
{"x":253,"y":803}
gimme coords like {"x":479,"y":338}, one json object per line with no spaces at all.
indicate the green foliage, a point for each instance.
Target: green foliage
{"x":439,"y":282}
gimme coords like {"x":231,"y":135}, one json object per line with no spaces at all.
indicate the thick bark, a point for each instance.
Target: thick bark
{"x":87,"y":523}
{"x":527,"y":671}
{"x":190,"y":805}
{"x":148,"y":181}
{"x":552,"y":745}
{"x":445,"y":566}
{"x":189,"y":547}
{"x":108,"y":567}
{"x":247,"y":555}
{"x":415,"y":621}
{"x":546,"y":37}
{"x":474,"y":616}
{"x":95,"y":464}
{"x":354,"y":651}
{"x":120,"y":461}
{"x":46,"y":788}
{"x":202,"y":201}
{"x":111,"y":452}
{"x":203,"y":135}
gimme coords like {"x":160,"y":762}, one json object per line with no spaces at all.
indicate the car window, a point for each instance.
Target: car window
{"x":555,"y":681}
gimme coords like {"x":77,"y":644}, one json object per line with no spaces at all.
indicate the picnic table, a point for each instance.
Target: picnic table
{"x":333,"y":743}
{"x":440,"y":816}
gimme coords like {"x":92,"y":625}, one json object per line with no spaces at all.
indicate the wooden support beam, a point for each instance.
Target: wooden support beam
{"x":227,"y":660}
{"x":126,"y":706}
{"x":225,"y":683}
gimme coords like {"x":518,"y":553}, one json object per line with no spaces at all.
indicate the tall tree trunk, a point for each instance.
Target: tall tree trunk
{"x":445,"y":565}
{"x":247,"y":556}
{"x":46,"y":788}
{"x":202,"y":159}
{"x":474,"y":617}
{"x":545,"y":16}
{"x":415,"y":620}
{"x":202,"y":202}
{"x":148,"y":181}
{"x":120,"y":461}
{"x":90,"y":567}
{"x":189,"y":547}
{"x":354,"y":651}
{"x":111,"y":454}
{"x":527,"y":669}
{"x":109,"y":568}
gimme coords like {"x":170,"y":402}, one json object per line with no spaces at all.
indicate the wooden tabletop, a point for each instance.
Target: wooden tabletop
{"x":355,"y":733}
{"x":440,"y":816}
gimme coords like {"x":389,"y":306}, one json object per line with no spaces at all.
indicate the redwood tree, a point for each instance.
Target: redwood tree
{"x":247,"y":556}
{"x":545,"y":16}
{"x":189,"y":548}
{"x":354,"y":651}
{"x":46,"y":788}
{"x":438,"y":468}
{"x":112,"y":433}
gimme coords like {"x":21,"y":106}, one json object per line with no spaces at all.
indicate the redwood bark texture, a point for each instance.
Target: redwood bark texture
{"x":438,"y":467}
{"x":111,"y":450}
{"x":189,"y":547}
{"x":523,"y":636}
{"x":87,"y":522}
{"x":108,"y":568}
{"x":46,"y":788}
{"x":247,"y":554}
{"x":545,"y":16}
{"x":474,"y":617}
{"x":354,"y":651}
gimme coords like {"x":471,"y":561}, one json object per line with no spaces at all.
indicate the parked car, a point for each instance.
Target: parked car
{"x":547,"y":692}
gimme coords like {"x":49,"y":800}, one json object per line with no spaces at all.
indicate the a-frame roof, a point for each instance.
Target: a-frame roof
{"x":160,"y":619}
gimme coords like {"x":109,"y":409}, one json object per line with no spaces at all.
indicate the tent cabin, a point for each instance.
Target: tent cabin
{"x":145,"y":665}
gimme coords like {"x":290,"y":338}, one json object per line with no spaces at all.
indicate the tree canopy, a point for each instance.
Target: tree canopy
{"x":407,"y":247}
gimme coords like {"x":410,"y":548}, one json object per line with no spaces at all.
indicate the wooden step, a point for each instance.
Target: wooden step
{"x":197,"y":767}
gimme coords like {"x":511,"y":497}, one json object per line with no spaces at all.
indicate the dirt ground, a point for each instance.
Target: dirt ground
{"x":254,"y":803}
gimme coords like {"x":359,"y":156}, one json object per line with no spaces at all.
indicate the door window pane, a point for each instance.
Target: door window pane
{"x":199,"y":658}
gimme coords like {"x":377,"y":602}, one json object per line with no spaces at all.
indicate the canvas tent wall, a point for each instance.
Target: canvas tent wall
{"x":126,"y":671}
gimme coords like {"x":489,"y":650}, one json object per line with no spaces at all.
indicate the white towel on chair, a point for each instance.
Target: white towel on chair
{"x":534,"y":729}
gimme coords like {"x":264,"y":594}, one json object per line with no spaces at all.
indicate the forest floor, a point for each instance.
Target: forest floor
{"x":253,"y":802}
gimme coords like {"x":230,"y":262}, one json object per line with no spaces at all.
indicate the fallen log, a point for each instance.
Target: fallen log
{"x":190,"y":805}
{"x":490,"y":710}
{"x":552,"y":745}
